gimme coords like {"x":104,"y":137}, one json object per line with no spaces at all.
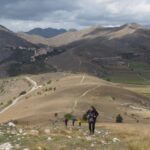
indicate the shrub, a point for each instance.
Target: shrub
{"x":39,"y":93}
{"x":56,"y":114}
{"x":50,"y":89}
{"x":113,"y":98}
{"x":49,"y":82}
{"x":15,"y":121}
{"x":108,"y":79}
{"x":22,"y":93}
{"x":68,"y":116}
{"x":119,"y":119}
{"x":9,"y":102}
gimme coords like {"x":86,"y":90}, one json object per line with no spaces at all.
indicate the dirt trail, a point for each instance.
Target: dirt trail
{"x":82,"y":80}
{"x":34,"y":87}
{"x":83,"y":94}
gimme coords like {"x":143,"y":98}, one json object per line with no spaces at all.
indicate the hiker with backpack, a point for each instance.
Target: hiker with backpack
{"x":92,"y":115}
{"x":73,"y":120}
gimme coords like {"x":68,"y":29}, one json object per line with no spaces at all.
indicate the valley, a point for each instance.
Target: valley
{"x":42,"y":77}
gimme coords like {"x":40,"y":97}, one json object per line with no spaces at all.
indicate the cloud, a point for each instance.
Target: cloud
{"x":33,"y":9}
{"x":114,"y":12}
{"x":27,"y":14}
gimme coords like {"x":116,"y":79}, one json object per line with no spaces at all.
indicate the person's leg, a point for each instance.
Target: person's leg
{"x":94,"y":127}
{"x":66,"y":123}
{"x":90,"y":129}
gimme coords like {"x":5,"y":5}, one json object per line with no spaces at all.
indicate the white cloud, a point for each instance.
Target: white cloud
{"x":26,"y":14}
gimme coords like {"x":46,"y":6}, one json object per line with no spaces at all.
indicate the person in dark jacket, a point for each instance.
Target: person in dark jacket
{"x":92,"y":115}
{"x":73,"y":120}
{"x":66,"y":122}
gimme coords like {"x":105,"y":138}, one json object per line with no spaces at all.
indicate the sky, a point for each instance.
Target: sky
{"x":23,"y":15}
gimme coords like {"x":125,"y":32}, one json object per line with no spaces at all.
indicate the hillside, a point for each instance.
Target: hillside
{"x":105,"y":52}
{"x":69,"y":93}
{"x":29,"y":120}
{"x":9,"y":40}
{"x":18,"y":55}
{"x":119,"y":54}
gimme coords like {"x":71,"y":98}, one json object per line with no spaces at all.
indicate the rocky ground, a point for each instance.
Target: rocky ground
{"x":14,"y":137}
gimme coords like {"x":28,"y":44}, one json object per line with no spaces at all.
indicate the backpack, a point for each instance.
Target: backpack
{"x":91,"y":117}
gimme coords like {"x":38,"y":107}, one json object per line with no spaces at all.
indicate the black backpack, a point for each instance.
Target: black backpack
{"x":91,"y":117}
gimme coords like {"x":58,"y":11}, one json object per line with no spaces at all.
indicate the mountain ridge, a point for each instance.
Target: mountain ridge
{"x":98,"y":51}
{"x":46,"y":32}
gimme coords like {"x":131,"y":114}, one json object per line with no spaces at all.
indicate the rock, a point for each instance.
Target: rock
{"x":47,"y":131}
{"x":103,"y":142}
{"x":17,"y":146}
{"x":26,"y":149}
{"x":34,"y":132}
{"x":41,"y":148}
{"x":13,"y":132}
{"x":20,"y":131}
{"x":88,"y":138}
{"x":24,"y":133}
{"x":115,"y":140}
{"x":69,"y":137}
{"x":106,"y":133}
{"x":49,"y":138}
{"x":92,"y":145}
{"x":11,"y":124}
{"x":98,"y":132}
{"x":6,"y":146}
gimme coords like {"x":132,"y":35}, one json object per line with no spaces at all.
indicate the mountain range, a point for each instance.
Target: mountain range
{"x":100,"y":51}
{"x":47,"y":32}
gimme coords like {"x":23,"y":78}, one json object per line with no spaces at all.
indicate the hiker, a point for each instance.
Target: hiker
{"x":73,"y":120}
{"x":79,"y":122}
{"x":66,"y":122}
{"x":92,"y":115}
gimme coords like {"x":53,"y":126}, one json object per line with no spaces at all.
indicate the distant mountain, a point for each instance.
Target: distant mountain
{"x":89,"y":33}
{"x":147,"y":26}
{"x":99,"y":51}
{"x":47,"y":33}
{"x":102,"y":51}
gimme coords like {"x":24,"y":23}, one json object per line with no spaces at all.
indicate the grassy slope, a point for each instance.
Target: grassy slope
{"x":138,"y":73}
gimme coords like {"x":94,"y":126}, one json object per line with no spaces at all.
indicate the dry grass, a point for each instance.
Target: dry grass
{"x":137,"y":136}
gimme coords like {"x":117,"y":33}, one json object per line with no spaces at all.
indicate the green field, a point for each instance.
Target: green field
{"x":139,"y":66}
{"x":137,"y":73}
